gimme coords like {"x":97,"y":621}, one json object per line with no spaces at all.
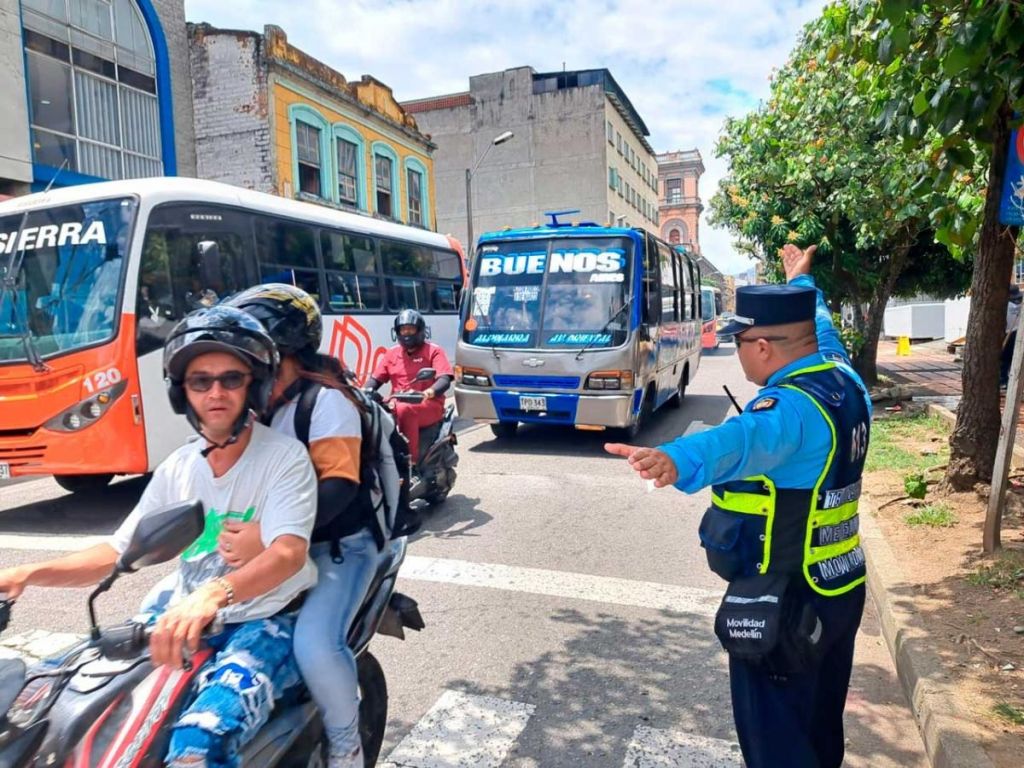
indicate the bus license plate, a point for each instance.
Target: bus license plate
{"x":533,"y":403}
{"x":5,"y":471}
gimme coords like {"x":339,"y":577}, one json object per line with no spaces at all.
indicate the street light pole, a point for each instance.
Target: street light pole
{"x":501,"y":138}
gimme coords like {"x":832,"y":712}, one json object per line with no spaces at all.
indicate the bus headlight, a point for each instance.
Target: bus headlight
{"x":82,"y":414}
{"x":610,"y":380}
{"x":474,"y":377}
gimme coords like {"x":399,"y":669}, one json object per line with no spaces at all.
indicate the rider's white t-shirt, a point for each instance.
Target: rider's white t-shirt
{"x":272,"y":483}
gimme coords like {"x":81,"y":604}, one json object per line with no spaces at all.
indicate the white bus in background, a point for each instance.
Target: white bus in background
{"x":104,"y":271}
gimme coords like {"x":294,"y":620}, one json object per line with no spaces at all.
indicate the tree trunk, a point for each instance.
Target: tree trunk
{"x":974,"y":438}
{"x":866,"y":362}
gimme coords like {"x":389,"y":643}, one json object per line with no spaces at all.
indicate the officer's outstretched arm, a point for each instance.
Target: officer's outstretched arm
{"x":759,"y":440}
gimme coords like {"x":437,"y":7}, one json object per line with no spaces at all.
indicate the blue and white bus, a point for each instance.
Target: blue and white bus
{"x":582,"y":325}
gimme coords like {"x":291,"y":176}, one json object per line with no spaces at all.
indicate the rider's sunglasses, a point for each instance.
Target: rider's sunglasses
{"x":203,"y":382}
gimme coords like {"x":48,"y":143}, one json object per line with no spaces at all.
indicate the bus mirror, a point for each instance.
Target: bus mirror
{"x":208,"y":256}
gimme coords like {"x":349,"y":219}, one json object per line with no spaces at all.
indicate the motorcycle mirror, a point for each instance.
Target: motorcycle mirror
{"x":12,"y":678}
{"x":426,"y":373}
{"x":163,"y":535}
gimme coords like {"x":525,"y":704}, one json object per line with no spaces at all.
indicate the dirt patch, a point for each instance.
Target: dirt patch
{"x":972,"y":606}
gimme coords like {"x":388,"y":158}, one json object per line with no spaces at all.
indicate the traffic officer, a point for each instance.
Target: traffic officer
{"x":782,"y":527}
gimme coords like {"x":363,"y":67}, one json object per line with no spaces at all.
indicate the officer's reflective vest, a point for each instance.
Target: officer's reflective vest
{"x":753,"y":526}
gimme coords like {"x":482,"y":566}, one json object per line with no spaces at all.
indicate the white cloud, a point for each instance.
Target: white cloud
{"x":685,"y":65}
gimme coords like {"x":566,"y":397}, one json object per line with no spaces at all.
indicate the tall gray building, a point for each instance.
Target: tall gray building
{"x":94,"y":89}
{"x":577,"y":142}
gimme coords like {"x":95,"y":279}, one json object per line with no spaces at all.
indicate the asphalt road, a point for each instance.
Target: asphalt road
{"x":568,"y":609}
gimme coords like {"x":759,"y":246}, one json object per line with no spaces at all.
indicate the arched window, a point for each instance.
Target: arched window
{"x":311,"y":161}
{"x":385,"y":180}
{"x":350,"y":153}
{"x":675,"y":228}
{"x":95,"y":88}
{"x":416,"y":186}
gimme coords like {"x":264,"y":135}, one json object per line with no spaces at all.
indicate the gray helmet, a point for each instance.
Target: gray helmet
{"x":414,"y":318}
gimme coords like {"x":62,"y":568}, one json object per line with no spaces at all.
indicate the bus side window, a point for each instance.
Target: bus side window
{"x":651,"y":284}
{"x":286,"y":252}
{"x":669,"y":289}
{"x":351,"y":264}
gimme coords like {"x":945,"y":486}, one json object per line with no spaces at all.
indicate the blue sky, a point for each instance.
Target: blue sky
{"x":685,"y":65}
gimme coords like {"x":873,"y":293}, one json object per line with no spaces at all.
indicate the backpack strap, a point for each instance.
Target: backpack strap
{"x":304,"y":411}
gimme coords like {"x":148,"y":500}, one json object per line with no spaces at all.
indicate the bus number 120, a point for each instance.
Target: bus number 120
{"x":102,"y":379}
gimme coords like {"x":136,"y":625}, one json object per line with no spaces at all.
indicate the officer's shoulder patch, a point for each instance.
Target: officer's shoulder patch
{"x":764,"y":404}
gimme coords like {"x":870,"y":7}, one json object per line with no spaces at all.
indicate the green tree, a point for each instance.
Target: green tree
{"x":813,"y":165}
{"x":948,"y":77}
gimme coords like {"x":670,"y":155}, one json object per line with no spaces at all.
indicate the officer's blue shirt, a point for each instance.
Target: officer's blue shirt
{"x":780,"y":433}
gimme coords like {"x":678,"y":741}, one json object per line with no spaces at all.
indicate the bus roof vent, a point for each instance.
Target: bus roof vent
{"x":555,"y":223}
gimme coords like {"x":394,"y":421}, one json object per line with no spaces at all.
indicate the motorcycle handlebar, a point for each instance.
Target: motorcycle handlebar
{"x":126,"y":641}
{"x":409,"y":397}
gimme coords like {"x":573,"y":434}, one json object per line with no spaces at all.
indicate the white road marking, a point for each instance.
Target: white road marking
{"x":31,"y":543}
{"x":578,"y":586}
{"x":36,"y":644}
{"x":651,"y":748}
{"x":538,"y":581}
{"x":462,"y":731}
{"x":695,"y":426}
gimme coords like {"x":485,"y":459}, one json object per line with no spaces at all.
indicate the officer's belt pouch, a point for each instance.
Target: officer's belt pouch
{"x":720,"y":535}
{"x":770,"y":620}
{"x":749,"y":620}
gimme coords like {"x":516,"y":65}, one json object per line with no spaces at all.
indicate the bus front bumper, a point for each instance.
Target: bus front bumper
{"x":496,"y":405}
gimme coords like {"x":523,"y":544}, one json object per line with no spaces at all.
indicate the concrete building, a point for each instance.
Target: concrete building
{"x":93,"y":89}
{"x":577,"y":142}
{"x":272,"y":118}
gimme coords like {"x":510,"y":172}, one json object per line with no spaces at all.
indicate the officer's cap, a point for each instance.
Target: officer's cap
{"x":771,"y":305}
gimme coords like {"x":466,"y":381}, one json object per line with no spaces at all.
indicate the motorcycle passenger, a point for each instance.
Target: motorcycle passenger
{"x":219,"y":366}
{"x":400,"y":364}
{"x":343,"y":544}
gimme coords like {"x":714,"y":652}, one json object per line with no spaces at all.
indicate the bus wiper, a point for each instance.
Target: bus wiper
{"x":607,"y":325}
{"x":8,"y":287}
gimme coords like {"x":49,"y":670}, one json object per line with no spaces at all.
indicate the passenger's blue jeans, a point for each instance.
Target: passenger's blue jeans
{"x":321,"y":635}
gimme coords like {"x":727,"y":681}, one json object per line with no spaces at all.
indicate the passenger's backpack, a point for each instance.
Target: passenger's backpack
{"x":384,"y":464}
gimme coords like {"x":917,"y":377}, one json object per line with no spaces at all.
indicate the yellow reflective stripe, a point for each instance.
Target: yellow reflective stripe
{"x":817,"y":554}
{"x":821,"y":477}
{"x":822,"y":518}
{"x":753,"y":504}
{"x":809,"y":369}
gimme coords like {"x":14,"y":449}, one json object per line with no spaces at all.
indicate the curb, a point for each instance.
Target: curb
{"x":922,"y":674}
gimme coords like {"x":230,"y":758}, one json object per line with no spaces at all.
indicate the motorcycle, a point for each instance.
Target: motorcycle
{"x":102,"y":702}
{"x":434,"y":469}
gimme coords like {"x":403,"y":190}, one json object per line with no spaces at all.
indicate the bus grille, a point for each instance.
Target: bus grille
{"x":17,"y":432}
{"x":28,"y":454}
{"x":537,"y":382}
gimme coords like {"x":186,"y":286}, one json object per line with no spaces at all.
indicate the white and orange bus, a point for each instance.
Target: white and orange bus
{"x":93,"y":278}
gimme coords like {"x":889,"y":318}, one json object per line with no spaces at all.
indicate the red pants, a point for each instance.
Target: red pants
{"x":412,"y":417}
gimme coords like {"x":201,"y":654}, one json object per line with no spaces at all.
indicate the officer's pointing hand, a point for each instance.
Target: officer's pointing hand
{"x":651,"y":463}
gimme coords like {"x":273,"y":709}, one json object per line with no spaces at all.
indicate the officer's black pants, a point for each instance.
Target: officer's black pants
{"x":798,"y":722}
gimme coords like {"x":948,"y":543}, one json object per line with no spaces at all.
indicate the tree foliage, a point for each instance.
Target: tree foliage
{"x":947,"y":76}
{"x":813,"y":165}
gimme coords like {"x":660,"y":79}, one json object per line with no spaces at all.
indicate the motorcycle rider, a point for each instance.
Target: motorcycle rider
{"x":400,"y":364}
{"x":343,"y":544}
{"x":219,"y":365}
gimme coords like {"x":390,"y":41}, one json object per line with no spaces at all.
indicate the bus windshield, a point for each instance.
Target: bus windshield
{"x":559,"y":294}
{"x":65,"y":264}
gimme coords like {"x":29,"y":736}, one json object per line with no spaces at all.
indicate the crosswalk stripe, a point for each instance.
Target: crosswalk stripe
{"x":462,"y":731}
{"x":36,"y":644}
{"x":653,"y":748}
{"x":579,"y":586}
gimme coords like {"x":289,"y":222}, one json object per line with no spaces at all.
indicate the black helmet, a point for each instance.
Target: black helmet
{"x":289,"y":315}
{"x":220,"y":329}
{"x":410,"y":317}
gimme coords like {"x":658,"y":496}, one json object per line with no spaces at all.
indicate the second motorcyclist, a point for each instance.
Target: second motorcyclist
{"x":399,"y":367}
